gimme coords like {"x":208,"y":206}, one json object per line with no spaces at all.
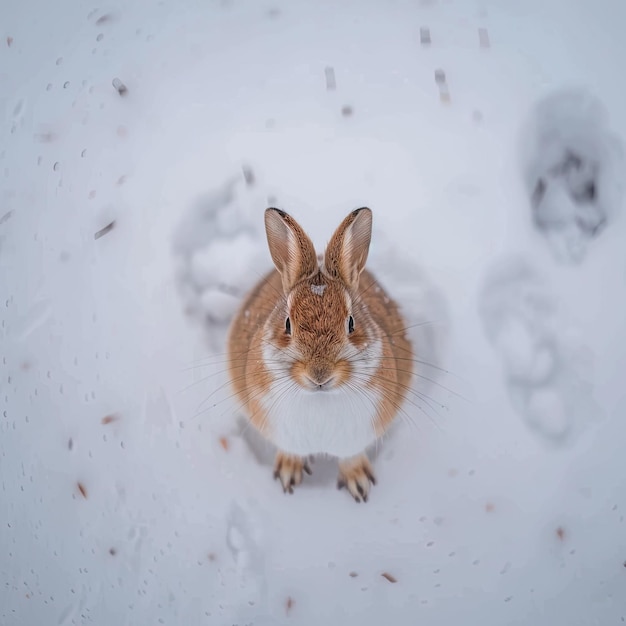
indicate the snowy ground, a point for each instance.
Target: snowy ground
{"x":131,"y":494}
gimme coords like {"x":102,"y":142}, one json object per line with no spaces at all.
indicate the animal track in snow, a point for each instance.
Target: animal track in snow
{"x":572,"y":166}
{"x":218,"y":249}
{"x":543,"y":371}
{"x":245,"y":541}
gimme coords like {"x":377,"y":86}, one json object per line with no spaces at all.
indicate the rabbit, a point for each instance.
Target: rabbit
{"x":318,"y":354}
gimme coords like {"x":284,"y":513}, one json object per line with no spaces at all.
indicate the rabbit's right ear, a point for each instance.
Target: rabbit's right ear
{"x":292,"y":251}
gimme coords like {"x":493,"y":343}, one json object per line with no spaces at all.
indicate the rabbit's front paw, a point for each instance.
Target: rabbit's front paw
{"x":289,"y":468}
{"x":356,"y":476}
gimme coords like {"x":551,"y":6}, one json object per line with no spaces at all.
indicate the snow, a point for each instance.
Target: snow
{"x":501,"y":493}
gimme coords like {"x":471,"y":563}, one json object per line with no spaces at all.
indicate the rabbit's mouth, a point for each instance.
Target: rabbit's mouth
{"x":326,"y":385}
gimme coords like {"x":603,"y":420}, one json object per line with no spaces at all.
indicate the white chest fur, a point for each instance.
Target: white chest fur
{"x":339,"y":422}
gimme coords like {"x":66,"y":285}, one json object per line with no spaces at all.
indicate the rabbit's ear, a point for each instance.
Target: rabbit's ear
{"x":347,"y":250}
{"x":292,"y":251}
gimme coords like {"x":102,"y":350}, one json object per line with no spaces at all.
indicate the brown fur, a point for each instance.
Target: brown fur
{"x":397,"y":365}
{"x":247,"y":372}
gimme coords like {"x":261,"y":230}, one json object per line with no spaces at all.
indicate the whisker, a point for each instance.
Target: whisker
{"x":409,"y":392}
{"x":232,"y":380}
{"x":398,"y":405}
{"x":420,"y":362}
{"x":416,"y":325}
{"x":242,"y":402}
{"x":391,"y":368}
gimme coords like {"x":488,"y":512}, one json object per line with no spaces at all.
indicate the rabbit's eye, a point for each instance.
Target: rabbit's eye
{"x":288,"y":326}
{"x":351,"y":324}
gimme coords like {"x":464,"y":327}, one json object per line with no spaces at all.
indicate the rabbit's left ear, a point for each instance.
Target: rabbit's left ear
{"x":346,"y":252}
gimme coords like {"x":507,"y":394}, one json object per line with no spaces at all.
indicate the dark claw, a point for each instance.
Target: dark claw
{"x":341,"y":484}
{"x":365,"y":498}
{"x":357,"y":499}
{"x":292,"y":482}
{"x":307,"y":469}
{"x":360,"y":490}
{"x":370,"y":476}
{"x":277,"y":470}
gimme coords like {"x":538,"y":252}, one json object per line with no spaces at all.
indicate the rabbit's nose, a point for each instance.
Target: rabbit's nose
{"x":320,"y":375}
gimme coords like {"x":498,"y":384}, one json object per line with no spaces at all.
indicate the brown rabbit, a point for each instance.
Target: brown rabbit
{"x":318,"y":353}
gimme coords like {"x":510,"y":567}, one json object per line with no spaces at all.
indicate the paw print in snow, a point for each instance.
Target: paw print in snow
{"x":572,"y":166}
{"x":543,"y":371}
{"x":218,"y":249}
